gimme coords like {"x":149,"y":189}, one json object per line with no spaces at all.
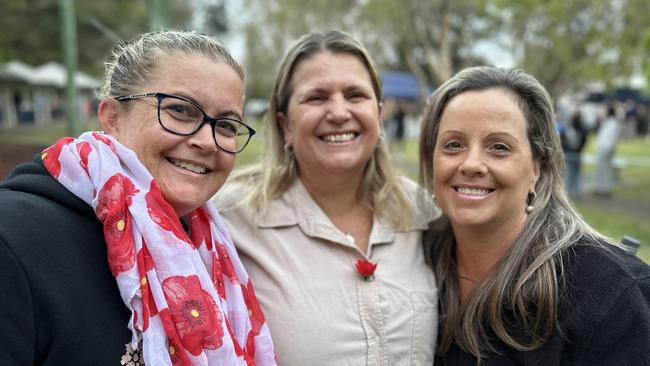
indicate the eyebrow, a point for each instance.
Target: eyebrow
{"x":228,"y":113}
{"x":490,"y":135}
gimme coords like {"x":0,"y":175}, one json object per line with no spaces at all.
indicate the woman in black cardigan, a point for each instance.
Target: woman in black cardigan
{"x":523,"y":279}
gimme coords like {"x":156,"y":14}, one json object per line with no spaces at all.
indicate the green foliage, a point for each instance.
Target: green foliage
{"x":568,"y":43}
{"x":564,"y":43}
{"x":32,"y":31}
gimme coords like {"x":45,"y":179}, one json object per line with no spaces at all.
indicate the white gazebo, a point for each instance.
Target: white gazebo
{"x":35,"y":94}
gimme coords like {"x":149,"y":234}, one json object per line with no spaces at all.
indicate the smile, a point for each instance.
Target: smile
{"x":189,"y":166}
{"x":343,"y":137}
{"x":478,"y":192}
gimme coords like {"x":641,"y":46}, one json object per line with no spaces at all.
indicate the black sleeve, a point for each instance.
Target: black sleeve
{"x":623,"y":337}
{"x":17,"y":327}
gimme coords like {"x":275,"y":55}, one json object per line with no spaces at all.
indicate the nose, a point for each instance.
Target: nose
{"x":473,"y":163}
{"x":203,"y":138}
{"x":338,"y":111}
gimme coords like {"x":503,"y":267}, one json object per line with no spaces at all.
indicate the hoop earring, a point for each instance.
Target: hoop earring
{"x":530,"y":207}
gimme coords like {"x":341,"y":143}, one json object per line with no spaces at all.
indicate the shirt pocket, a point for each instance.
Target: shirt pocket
{"x":424,"y":325}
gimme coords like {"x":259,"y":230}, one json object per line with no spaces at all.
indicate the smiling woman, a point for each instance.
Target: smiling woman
{"x":127,"y":259}
{"x":326,"y":222}
{"x":523,"y":279}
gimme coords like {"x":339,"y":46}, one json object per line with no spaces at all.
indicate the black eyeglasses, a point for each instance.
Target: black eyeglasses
{"x":184,"y":118}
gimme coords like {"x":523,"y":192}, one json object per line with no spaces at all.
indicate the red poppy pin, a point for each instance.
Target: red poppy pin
{"x":365,"y":269}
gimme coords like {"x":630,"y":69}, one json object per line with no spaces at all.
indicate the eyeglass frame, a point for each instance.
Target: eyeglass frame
{"x":206,"y":119}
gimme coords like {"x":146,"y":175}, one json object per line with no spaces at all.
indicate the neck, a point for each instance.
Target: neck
{"x":334,"y":194}
{"x":478,"y":251}
{"x":340,"y":201}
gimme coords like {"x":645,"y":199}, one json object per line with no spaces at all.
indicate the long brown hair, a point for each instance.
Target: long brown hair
{"x":523,"y":287}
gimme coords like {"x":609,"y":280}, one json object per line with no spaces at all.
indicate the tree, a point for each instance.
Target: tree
{"x":567,"y":43}
{"x":429,"y":38}
{"x":564,"y":43}
{"x":31,"y":29}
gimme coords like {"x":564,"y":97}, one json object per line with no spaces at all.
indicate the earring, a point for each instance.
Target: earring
{"x":433,"y":197}
{"x":530,"y":207}
{"x":288,"y":150}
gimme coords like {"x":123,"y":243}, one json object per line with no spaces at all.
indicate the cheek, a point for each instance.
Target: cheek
{"x":226,"y":162}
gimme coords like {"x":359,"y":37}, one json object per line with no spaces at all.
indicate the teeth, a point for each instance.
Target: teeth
{"x":473,"y":191}
{"x":339,"y":138}
{"x":189,"y":166}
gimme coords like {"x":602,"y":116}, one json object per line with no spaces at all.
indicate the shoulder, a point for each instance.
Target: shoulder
{"x":599,"y":272}
{"x":607,"y":263}
{"x":425,"y":208}
{"x":230,"y":195}
{"x":606,"y":305}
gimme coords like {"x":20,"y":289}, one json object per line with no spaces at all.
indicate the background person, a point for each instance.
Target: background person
{"x":119,"y":218}
{"x":573,"y":138}
{"x":324,"y":200}
{"x":522,"y":279}
{"x":607,"y":139}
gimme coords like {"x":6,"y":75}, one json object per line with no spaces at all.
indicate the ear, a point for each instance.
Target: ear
{"x":381,"y":109}
{"x":536,"y":173}
{"x":108,"y":114}
{"x":283,"y":121}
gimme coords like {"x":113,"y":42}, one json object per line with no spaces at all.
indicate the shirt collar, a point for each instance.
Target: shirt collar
{"x":297,"y":207}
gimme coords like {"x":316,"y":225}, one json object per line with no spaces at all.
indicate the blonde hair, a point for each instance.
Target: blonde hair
{"x":131,"y":64}
{"x":269,"y":179}
{"x":526,"y":281}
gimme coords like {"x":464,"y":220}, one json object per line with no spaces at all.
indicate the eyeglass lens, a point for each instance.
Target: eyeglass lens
{"x":182,"y":117}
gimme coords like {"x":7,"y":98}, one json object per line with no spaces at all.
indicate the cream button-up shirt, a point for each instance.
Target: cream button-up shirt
{"x":318,"y":309}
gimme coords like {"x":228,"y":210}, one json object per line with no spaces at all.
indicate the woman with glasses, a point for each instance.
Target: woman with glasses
{"x":329,"y":233}
{"x":108,"y":253}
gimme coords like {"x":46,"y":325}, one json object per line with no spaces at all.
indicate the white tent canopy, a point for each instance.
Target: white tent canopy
{"x":49,"y":74}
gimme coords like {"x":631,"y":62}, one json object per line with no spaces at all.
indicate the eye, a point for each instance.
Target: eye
{"x":315,"y":99}
{"x":182,"y":111}
{"x":227,"y":127}
{"x":356,"y":97}
{"x":452,"y":145}
{"x":500,"y":148}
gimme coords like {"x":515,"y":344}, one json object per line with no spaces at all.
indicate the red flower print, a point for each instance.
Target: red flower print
{"x":163,"y":214}
{"x":84,"y":149}
{"x":101,"y":137}
{"x":195,"y":314}
{"x":175,"y":348}
{"x":50,"y":156}
{"x":145,"y":263}
{"x":114,"y":199}
{"x":366,"y":269}
{"x":255,"y":314}
{"x":217,"y":276}
{"x":200,"y":232}
{"x":225,"y":263}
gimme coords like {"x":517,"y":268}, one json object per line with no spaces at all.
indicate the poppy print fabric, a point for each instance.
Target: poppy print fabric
{"x":188,"y":293}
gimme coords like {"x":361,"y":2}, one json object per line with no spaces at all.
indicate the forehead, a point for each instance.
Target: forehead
{"x":489,"y":110}
{"x":327,"y":66}
{"x":176,"y":65}
{"x":203,"y":79}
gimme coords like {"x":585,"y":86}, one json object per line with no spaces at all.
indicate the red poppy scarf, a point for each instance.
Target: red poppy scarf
{"x":190,"y":298}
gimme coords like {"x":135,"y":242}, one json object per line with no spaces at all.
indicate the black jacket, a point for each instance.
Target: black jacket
{"x":59,"y":303}
{"x":604,"y":316}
